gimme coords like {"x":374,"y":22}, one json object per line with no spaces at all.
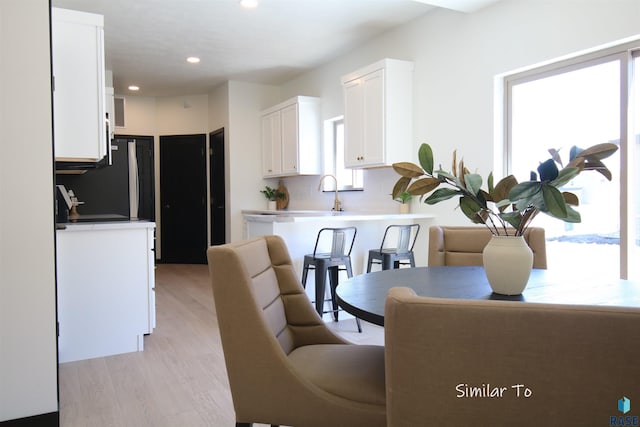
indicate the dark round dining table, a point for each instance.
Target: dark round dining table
{"x":364,"y":295}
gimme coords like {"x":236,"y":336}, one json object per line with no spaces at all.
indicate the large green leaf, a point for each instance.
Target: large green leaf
{"x":471,"y":209}
{"x":524,"y":190}
{"x":565,"y":175}
{"x":425,"y":156}
{"x":554,"y":201}
{"x":473,"y":182}
{"x":445,"y":174}
{"x":423,"y":186}
{"x":441,"y":194}
{"x":400,"y":187}
{"x":490,"y":183}
{"x":528,"y":193}
{"x":408,"y":169}
{"x":513,"y":218}
{"x":572,"y":216}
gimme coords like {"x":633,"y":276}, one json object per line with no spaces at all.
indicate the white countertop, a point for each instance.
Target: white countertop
{"x":313,"y":215}
{"x":107,"y":225}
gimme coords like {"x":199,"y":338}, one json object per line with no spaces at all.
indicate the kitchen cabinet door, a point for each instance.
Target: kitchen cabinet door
{"x":290,"y":152}
{"x":291,"y":142}
{"x":79,"y":85}
{"x":271,"y":144}
{"x":364,"y":121}
{"x":378,"y":114}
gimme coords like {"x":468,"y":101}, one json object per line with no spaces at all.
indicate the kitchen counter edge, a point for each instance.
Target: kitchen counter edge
{"x":286,"y":216}
{"x":107,"y":225}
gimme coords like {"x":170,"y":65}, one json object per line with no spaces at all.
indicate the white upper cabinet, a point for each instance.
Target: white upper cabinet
{"x":378,"y":110}
{"x":291,"y":138}
{"x":79,"y":85}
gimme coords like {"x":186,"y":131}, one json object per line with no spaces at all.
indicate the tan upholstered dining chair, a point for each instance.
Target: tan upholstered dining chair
{"x":285,"y":367}
{"x":450,"y":245}
{"x":505,"y":363}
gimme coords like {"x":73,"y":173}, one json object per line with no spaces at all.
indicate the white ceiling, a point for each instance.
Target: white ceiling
{"x":147,"y":41}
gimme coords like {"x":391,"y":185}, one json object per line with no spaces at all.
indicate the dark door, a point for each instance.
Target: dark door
{"x":146,"y":178}
{"x":183,"y":191}
{"x":217,"y":187}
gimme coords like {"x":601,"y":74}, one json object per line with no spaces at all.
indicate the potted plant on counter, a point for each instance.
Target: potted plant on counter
{"x":508,"y":207}
{"x":404,"y":199}
{"x":272,"y":195}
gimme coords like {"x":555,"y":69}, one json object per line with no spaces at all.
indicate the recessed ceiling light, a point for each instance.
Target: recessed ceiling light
{"x":249,"y":4}
{"x":193,"y":59}
{"x":134,"y":87}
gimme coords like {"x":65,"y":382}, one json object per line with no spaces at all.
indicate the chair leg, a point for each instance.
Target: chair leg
{"x":369,"y":264}
{"x":412,"y":260}
{"x":321,"y":280}
{"x":333,"y":283}
{"x":359,"y":325}
{"x":386,"y":262}
{"x":347,"y":266}
{"x":305,"y":272}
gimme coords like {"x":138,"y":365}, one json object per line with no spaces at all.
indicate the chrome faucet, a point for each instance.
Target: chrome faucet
{"x":336,"y":202}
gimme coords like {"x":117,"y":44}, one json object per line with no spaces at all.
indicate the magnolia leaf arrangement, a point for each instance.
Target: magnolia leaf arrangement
{"x":507,"y":202}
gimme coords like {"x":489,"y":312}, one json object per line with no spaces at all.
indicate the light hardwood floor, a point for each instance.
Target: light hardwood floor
{"x":180,"y":378}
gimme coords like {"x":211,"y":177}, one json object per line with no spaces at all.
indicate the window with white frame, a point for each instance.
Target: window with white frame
{"x":582,"y":101}
{"x":348,"y":179}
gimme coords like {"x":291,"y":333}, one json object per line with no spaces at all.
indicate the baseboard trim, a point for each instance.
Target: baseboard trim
{"x":51,"y":419}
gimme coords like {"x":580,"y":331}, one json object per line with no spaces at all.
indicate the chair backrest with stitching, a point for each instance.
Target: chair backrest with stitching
{"x":257,"y":293}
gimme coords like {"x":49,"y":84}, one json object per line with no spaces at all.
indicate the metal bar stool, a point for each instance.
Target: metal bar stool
{"x":331,"y":251}
{"x":393,"y":257}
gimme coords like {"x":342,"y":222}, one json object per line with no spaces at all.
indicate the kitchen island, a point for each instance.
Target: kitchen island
{"x":106,"y":281}
{"x":299,"y":228}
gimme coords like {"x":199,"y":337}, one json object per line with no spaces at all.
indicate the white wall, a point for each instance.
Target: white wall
{"x":182,"y":115}
{"x":219,"y":119}
{"x":140,"y":116}
{"x":246,"y":101}
{"x":28,"y":359}
{"x":456,"y":57}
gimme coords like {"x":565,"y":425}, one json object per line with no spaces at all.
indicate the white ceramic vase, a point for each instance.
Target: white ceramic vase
{"x":404,"y":208}
{"x":507,"y":262}
{"x":272,"y":205}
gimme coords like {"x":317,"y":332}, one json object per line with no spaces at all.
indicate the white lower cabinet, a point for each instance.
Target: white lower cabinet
{"x":106,"y":289}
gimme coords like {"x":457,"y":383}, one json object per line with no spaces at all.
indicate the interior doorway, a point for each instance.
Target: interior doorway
{"x":183,"y":193}
{"x":217,"y":187}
